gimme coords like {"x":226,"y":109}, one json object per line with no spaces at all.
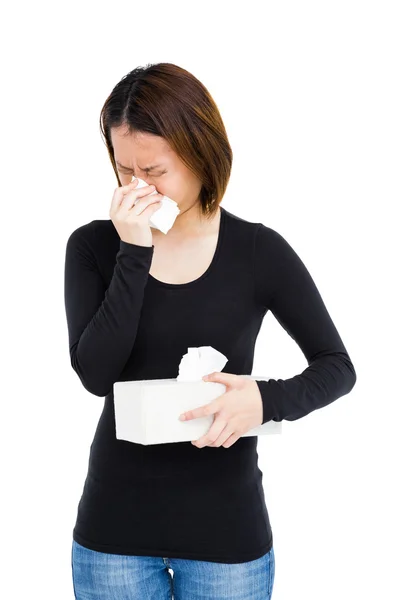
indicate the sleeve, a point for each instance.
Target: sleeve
{"x":284,"y":286}
{"x":102,"y":322}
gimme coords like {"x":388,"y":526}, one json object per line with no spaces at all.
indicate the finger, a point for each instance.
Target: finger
{"x":125,"y":196}
{"x":134,"y":196}
{"x":119,"y":194}
{"x":207,"y":409}
{"x":147,"y":190}
{"x":212,"y":434}
{"x":144,"y":203}
{"x":232,"y":439}
{"x":228,"y":379}
{"x":201,"y":411}
{"x":223,"y":437}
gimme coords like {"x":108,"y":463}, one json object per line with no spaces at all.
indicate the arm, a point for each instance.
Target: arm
{"x":284,"y":286}
{"x":102,"y":322}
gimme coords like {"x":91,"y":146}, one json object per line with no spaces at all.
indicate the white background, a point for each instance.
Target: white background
{"x":309,"y":94}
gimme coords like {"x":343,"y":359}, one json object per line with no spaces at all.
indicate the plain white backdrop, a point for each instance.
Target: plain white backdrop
{"x":309,"y":94}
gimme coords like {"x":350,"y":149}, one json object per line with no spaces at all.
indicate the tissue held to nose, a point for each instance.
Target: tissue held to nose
{"x":165,"y":216}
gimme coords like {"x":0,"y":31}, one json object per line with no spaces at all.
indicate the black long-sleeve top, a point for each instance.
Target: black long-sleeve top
{"x":177,"y":500}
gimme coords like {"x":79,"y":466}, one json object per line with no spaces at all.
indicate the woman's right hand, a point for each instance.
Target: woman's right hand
{"x":132,"y":220}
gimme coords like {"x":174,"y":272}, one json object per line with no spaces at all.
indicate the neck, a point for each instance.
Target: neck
{"x":190,"y":223}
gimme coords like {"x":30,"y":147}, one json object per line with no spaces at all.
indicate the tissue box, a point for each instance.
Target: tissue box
{"x":147,"y":411}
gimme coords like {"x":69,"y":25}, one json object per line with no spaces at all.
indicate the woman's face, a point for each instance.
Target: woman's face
{"x":151,"y":158}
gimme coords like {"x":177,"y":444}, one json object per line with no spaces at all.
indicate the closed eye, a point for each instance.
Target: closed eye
{"x":131,"y":173}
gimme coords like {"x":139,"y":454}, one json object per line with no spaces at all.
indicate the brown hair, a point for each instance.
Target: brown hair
{"x":166,"y":100}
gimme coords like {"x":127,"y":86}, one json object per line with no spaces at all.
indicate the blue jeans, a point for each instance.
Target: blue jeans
{"x":102,"y":576}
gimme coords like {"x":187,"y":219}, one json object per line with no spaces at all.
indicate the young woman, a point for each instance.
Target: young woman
{"x":136,"y":299}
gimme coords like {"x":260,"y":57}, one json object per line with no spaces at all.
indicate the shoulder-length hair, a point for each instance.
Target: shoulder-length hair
{"x":166,"y":100}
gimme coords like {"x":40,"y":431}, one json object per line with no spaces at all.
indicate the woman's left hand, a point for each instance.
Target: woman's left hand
{"x":237,"y":411}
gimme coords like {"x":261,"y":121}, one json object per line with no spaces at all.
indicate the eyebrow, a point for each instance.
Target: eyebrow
{"x":151,"y":168}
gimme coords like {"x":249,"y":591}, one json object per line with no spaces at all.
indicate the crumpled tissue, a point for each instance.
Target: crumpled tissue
{"x":165,"y":216}
{"x":200,"y":361}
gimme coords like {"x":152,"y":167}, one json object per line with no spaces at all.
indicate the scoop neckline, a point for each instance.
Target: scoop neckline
{"x":210,"y":267}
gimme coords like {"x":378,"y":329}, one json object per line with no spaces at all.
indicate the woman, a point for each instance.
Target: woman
{"x":136,"y":299}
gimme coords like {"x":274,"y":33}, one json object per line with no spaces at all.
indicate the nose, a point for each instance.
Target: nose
{"x":147,"y":179}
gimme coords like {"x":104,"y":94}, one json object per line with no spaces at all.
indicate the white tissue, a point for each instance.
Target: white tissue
{"x":199,"y":362}
{"x":165,"y":216}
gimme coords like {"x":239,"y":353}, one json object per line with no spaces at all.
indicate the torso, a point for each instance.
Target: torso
{"x":185,"y":260}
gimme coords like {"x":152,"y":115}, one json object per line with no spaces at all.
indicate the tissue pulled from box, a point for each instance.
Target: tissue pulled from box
{"x":199,"y":362}
{"x":165,"y":216}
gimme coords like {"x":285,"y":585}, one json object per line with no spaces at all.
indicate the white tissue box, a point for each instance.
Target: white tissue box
{"x":147,"y":411}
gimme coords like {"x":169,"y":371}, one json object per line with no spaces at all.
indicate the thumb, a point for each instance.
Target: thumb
{"x":228,"y":379}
